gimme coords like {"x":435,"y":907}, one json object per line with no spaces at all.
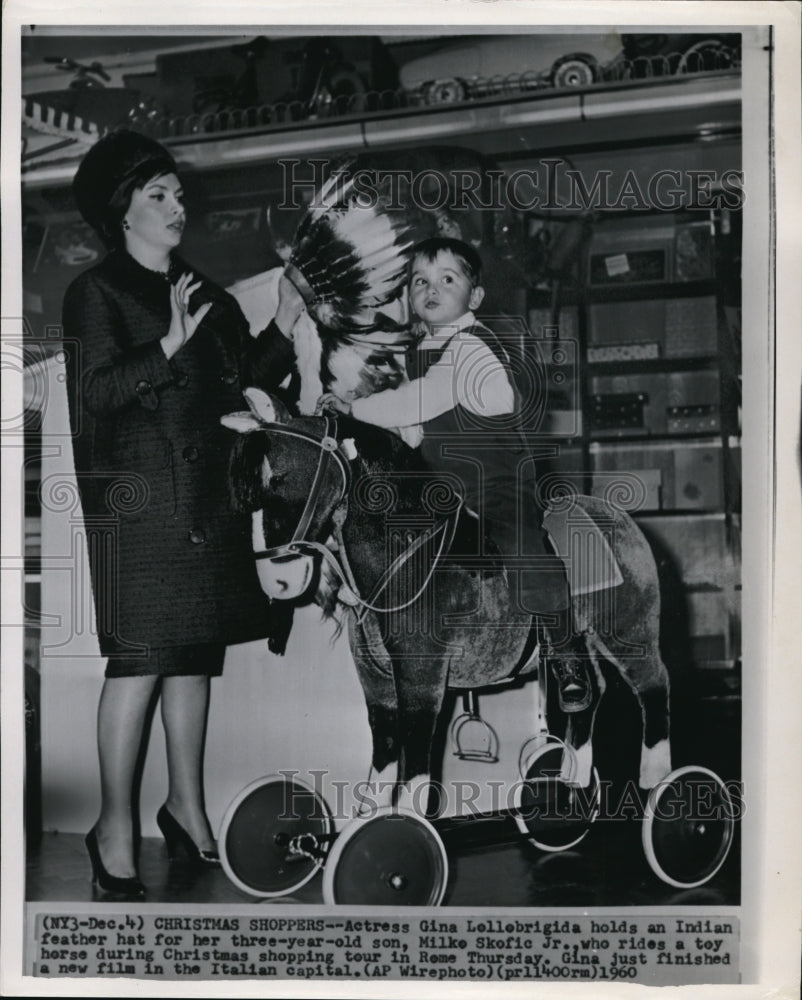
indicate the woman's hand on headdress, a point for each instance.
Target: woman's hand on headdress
{"x":290,"y":306}
{"x":183,"y":323}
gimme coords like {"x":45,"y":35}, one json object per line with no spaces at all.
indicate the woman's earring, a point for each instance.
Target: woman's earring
{"x":126,"y":226}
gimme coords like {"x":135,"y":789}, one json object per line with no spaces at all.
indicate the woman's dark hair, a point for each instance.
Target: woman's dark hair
{"x":110,"y":230}
{"x":469,"y":259}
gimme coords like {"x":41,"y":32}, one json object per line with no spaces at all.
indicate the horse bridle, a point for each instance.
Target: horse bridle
{"x":330,"y":451}
{"x":299,"y":544}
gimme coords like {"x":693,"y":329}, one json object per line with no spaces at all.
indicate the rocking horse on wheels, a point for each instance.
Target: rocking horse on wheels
{"x":320,"y":491}
{"x":346,"y":515}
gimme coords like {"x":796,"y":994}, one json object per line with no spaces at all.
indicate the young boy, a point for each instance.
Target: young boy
{"x":461,"y":407}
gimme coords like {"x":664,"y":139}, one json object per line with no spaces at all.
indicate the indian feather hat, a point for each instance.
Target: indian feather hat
{"x":349,"y":259}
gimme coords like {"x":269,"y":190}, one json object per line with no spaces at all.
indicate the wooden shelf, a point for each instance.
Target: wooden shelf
{"x":648,"y":365}
{"x":710,"y":437}
{"x":651,"y":290}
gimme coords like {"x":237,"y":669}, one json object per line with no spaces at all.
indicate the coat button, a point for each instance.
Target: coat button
{"x":181,"y":380}
{"x":190,"y":453}
{"x":228,"y":378}
{"x":143,"y":387}
{"x":197,"y":536}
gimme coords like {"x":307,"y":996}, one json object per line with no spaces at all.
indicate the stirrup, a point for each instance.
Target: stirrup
{"x":472,"y":737}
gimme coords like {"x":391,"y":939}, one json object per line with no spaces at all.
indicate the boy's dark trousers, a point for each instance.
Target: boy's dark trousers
{"x":490,"y":458}
{"x":542,"y":591}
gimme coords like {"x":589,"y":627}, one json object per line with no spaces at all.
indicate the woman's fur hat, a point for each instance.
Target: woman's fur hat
{"x":111,"y":162}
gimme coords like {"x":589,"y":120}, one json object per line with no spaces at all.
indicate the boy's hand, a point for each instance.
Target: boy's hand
{"x":329,"y":403}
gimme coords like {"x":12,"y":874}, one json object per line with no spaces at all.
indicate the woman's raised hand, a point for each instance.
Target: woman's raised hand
{"x":183,"y":323}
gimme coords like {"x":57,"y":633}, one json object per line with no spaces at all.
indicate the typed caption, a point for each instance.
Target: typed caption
{"x":654,"y":949}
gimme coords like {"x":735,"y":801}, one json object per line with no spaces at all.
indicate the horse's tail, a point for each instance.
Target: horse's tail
{"x":246,"y":477}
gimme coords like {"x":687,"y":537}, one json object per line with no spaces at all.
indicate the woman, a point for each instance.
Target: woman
{"x":162,"y":354}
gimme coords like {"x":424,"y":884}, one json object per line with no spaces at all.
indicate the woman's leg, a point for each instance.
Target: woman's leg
{"x":185,"y":701}
{"x":121,"y":717}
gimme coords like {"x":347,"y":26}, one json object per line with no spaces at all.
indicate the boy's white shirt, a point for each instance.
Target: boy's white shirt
{"x":468,"y":374}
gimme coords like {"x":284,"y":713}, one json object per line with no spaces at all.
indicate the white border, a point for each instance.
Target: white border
{"x":771,"y":857}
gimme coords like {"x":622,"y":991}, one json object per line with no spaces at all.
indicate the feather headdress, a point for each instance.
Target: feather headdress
{"x":348,"y":259}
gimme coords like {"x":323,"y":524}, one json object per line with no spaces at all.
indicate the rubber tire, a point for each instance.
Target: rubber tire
{"x":253,"y":830}
{"x":704,"y":844}
{"x":541,"y":767}
{"x":437,"y":92}
{"x":391,"y":858}
{"x":562,"y":71}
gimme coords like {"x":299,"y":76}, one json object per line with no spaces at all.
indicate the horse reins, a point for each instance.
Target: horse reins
{"x":330,"y":450}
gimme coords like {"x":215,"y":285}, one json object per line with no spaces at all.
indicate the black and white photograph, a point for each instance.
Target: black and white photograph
{"x":400,"y":491}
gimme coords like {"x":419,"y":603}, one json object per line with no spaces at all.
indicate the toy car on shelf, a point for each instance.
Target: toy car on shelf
{"x":473,"y":68}
{"x":484,"y":67}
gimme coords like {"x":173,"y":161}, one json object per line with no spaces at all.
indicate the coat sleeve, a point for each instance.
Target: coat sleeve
{"x":108,"y":376}
{"x":263,"y":361}
{"x":269,"y":358}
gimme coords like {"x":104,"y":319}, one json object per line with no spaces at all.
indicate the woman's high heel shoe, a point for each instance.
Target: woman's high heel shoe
{"x":130,"y":886}
{"x":174,"y":834}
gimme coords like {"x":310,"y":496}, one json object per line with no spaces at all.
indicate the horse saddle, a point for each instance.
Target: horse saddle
{"x":585,"y":551}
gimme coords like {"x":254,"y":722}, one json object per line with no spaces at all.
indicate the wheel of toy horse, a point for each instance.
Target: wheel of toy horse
{"x":688,"y":827}
{"x":555,"y":813}
{"x":275,"y":836}
{"x":391,"y":858}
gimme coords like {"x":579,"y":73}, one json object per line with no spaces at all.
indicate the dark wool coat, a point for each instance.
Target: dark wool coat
{"x":171,"y":563}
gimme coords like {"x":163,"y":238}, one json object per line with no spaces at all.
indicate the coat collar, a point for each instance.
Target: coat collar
{"x":139,"y":279}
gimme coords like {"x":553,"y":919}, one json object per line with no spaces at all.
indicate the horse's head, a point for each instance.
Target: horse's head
{"x":291,"y":475}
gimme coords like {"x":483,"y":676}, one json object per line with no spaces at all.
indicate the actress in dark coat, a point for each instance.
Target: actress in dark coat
{"x":163,"y":353}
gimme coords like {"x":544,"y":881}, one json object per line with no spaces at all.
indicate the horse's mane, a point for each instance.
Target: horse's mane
{"x":246,"y":483}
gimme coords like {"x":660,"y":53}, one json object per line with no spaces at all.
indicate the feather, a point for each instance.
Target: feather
{"x":351,"y":257}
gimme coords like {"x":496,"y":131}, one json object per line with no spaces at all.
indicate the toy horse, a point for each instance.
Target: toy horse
{"x":344,"y":515}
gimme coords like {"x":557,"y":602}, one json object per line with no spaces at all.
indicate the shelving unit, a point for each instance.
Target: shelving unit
{"x":657,"y":402}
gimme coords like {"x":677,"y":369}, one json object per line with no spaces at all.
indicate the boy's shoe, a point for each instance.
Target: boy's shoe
{"x":567,"y":656}
{"x":574,"y":686}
